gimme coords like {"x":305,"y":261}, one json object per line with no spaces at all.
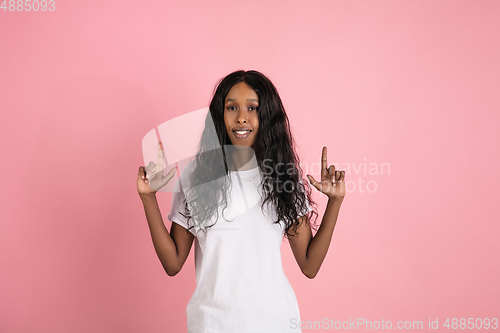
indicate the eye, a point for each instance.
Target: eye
{"x":253,"y":108}
{"x":231,"y":107}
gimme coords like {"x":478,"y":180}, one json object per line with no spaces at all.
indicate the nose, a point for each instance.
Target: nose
{"x":242,"y":117}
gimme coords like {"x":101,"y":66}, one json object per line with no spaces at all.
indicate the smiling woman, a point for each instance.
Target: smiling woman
{"x":240,"y":114}
{"x":238,"y":217}
{"x":242,"y":121}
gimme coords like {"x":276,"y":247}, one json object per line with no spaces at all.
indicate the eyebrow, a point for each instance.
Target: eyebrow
{"x":248,"y":99}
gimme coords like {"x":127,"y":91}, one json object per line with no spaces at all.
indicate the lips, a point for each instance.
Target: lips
{"x":242,"y":133}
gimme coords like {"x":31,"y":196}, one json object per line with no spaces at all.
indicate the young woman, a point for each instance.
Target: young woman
{"x":237,"y":199}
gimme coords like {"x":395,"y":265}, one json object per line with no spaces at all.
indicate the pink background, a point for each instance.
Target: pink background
{"x":414,"y":84}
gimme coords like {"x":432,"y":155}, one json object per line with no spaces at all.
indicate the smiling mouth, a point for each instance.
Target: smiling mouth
{"x":242,"y":134}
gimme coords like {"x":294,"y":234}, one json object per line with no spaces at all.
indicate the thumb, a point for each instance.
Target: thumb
{"x":312,"y":181}
{"x":168,"y":176}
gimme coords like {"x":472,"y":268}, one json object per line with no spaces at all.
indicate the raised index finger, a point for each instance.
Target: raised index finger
{"x":159,"y":161}
{"x":324,"y":171}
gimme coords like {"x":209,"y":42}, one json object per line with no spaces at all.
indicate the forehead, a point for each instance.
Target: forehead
{"x":241,"y":92}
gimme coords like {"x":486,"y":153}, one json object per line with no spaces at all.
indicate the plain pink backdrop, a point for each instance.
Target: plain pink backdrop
{"x":414,"y":84}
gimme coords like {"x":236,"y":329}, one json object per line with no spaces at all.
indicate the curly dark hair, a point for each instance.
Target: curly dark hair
{"x":274,"y":148}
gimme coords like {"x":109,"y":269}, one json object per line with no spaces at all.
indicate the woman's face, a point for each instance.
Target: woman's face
{"x":240,"y":114}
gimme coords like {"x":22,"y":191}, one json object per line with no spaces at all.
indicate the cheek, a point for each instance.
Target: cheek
{"x":256,"y":130}
{"x":256,"y":125}
{"x":226,"y":121}
{"x":255,"y":121}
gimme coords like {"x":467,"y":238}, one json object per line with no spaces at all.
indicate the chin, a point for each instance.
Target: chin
{"x":240,"y":146}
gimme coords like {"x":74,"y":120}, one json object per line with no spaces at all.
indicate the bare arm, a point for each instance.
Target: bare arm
{"x":172,"y":248}
{"x":310,"y":251}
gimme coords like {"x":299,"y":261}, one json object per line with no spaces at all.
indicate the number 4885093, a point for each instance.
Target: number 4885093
{"x":28,"y":5}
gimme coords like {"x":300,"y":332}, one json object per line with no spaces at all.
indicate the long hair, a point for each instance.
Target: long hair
{"x":275,"y":153}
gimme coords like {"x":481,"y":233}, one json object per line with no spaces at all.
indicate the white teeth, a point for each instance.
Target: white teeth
{"x":241,"y":132}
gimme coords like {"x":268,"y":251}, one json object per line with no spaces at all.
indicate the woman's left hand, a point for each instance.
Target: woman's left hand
{"x":332,"y":181}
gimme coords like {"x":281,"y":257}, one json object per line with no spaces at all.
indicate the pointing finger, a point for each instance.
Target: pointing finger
{"x":159,"y":162}
{"x":324,"y":172}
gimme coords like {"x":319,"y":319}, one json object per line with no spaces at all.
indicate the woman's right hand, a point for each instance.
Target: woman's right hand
{"x":150,"y":178}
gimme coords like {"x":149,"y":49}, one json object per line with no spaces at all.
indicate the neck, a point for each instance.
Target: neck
{"x":241,"y":158}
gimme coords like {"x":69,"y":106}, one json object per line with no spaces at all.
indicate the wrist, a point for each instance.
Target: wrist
{"x":147,"y":196}
{"x":335,"y":200}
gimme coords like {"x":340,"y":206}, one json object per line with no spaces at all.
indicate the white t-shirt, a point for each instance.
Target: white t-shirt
{"x":241,"y":286}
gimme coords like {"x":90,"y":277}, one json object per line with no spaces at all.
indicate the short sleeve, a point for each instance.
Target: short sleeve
{"x":308,"y":207}
{"x":306,"y":210}
{"x":178,"y":206}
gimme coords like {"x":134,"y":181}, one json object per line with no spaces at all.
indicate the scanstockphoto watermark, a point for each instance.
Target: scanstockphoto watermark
{"x":362,"y":177}
{"x":471,"y":324}
{"x":355,"y":324}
